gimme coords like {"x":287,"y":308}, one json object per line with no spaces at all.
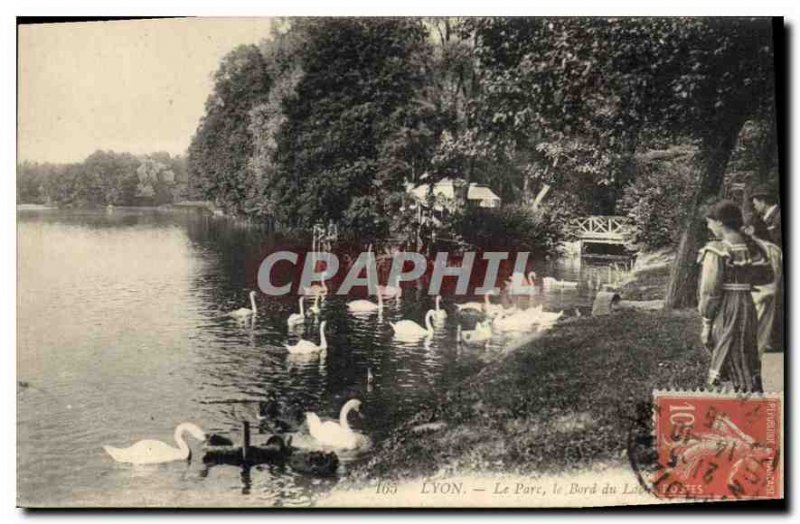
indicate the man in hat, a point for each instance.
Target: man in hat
{"x":766,"y":205}
{"x":769,"y":298}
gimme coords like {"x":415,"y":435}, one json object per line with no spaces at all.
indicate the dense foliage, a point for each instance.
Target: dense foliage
{"x":511,"y":228}
{"x":656,"y":200}
{"x":338,"y":114}
{"x":104,"y":178}
{"x":220,"y":151}
{"x":330,"y":120}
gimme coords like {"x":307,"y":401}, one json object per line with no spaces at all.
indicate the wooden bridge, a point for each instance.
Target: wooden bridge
{"x":602,"y":229}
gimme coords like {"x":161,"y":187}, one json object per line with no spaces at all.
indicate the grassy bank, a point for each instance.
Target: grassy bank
{"x":647,"y":284}
{"x":560,"y":402}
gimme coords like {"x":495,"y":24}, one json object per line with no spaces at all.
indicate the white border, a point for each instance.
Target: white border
{"x":304,"y":8}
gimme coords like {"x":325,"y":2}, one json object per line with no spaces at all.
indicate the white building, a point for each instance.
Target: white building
{"x":444,"y":193}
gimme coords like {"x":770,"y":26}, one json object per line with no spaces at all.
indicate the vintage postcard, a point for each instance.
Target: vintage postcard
{"x":400,"y":262}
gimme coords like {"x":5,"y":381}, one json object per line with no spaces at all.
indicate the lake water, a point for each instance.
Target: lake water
{"x":122,"y":335}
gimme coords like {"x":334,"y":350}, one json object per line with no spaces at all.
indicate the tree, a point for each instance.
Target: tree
{"x":108,"y":178}
{"x":725,"y":80}
{"x":583,"y":92}
{"x":351,"y":129}
{"x":220,"y":151}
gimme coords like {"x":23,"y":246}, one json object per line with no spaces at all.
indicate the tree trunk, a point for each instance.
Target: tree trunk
{"x":715,"y":153}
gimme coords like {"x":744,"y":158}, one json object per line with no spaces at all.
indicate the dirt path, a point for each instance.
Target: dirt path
{"x":772,"y":371}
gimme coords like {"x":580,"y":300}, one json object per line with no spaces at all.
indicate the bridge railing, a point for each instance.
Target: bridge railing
{"x":602,"y":227}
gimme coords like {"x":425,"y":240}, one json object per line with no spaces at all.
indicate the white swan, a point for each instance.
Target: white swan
{"x":391,"y":291}
{"x":316,"y":289}
{"x":546,"y":318}
{"x":410,"y":329}
{"x":315,"y":309}
{"x":305,"y":347}
{"x":496,"y":309}
{"x":155,"y":451}
{"x":440,"y":314}
{"x":365,"y":306}
{"x":549,"y":282}
{"x":528,"y":284}
{"x":481,"y":333}
{"x":243,"y":311}
{"x":474,"y":306}
{"x":297,"y":318}
{"x":336,"y":435}
{"x":519,"y":320}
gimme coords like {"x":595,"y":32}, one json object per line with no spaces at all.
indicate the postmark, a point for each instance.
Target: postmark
{"x":717,"y":445}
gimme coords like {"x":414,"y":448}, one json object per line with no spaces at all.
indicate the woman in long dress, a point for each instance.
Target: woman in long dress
{"x":731,"y":266}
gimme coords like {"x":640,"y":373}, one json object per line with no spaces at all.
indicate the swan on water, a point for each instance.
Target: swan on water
{"x":305,"y":347}
{"x":365,"y":306}
{"x":441,"y":314}
{"x":548,"y":319}
{"x":496,"y":309}
{"x":333,"y":434}
{"x":243,"y":311}
{"x":298,"y":318}
{"x":316,"y":289}
{"x":474,"y":306}
{"x":390,"y":291}
{"x":523,"y":319}
{"x":410,"y":329}
{"x":549,"y":282}
{"x":315,"y":309}
{"x":527,"y":286}
{"x":155,"y":451}
{"x":481,"y":333}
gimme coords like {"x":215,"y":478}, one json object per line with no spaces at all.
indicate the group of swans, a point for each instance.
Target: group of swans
{"x":483,"y":307}
{"x":524,"y":319}
{"x":331,"y":434}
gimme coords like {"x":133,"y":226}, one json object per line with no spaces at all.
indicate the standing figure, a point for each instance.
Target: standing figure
{"x":769,"y":298}
{"x":766,"y":205}
{"x":731,"y":265}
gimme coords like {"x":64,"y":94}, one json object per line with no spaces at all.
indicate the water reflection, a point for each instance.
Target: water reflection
{"x":124,"y":333}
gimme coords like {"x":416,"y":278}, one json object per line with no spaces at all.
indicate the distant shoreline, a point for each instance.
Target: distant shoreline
{"x":34,"y":207}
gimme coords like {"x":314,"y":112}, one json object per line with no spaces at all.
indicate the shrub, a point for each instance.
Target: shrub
{"x":512,"y":228}
{"x":656,"y":201}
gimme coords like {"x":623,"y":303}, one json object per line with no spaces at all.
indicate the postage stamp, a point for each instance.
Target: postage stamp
{"x":718,"y":445}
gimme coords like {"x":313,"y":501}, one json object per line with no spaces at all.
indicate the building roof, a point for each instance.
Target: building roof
{"x":445,"y":188}
{"x":481,"y":192}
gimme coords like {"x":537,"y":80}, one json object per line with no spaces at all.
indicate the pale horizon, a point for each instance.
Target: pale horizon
{"x":135,"y":86}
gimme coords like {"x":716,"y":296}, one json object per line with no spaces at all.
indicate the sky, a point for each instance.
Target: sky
{"x":127,"y":86}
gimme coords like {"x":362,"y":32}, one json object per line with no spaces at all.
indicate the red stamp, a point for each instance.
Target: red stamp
{"x":718,"y":445}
